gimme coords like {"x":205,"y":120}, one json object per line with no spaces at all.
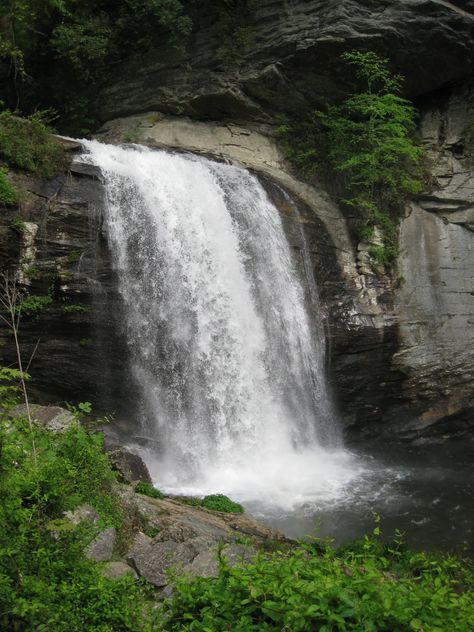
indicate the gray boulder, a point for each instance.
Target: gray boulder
{"x":81,"y":514}
{"x":206,"y":563}
{"x":52,"y":418}
{"x":102,"y":546}
{"x":117,"y":570}
{"x":153,"y":559}
{"x":130,"y":466}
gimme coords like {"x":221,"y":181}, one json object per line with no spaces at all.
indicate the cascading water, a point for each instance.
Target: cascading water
{"x":229,"y":368}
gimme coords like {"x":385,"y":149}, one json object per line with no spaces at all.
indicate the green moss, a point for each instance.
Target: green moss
{"x":28,"y":144}
{"x":148,"y":490}
{"x":219,"y":502}
{"x":74,"y":256}
{"x":18,"y":224}
{"x":32,"y":272}
{"x":75,"y":308}
{"x":8,"y":194}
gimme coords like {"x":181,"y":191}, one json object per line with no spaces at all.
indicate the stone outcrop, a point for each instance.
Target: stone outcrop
{"x":102,"y":546}
{"x":435,"y":298}
{"x":130,"y":467}
{"x":190,"y":539}
{"x":292,"y":57}
{"x":52,"y":418}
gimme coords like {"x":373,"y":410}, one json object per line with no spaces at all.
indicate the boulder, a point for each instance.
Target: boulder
{"x":102,"y":546}
{"x":153,"y":559}
{"x":130,"y":466}
{"x":117,"y":570}
{"x":292,"y":58}
{"x":52,"y":418}
{"x":81,"y":514}
{"x":206,"y":563}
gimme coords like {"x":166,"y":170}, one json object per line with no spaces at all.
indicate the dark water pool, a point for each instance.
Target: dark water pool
{"x":427,"y":492}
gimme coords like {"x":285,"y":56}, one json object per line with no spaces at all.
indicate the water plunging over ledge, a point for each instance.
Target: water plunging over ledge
{"x":231,"y":392}
{"x":229,"y":366}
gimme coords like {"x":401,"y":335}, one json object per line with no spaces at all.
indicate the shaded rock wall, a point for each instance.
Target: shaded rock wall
{"x":292,"y":59}
{"x":73,"y":342}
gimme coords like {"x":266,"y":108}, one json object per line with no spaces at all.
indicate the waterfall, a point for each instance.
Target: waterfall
{"x":228,"y":365}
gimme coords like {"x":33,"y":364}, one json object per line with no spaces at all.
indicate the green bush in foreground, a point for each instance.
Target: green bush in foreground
{"x":366,"y":587}
{"x":46,"y":583}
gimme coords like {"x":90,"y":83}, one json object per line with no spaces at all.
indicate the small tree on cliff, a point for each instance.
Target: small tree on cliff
{"x":367,"y":140}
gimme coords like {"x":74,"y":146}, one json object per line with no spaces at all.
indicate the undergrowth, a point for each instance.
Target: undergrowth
{"x":46,"y":583}
{"x":367,"y":587}
{"x":29,"y":144}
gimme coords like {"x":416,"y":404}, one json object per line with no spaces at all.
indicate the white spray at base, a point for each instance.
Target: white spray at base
{"x":229,"y":367}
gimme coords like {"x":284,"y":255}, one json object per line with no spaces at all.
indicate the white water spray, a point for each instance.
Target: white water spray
{"x":229,"y":367}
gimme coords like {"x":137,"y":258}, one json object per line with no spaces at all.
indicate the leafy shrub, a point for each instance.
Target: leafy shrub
{"x":28,"y":144}
{"x":80,"y":409}
{"x":219,"y":502}
{"x":8,"y":195}
{"x":9,"y":389}
{"x":148,"y":490}
{"x":367,"y":143}
{"x":34,"y":304}
{"x":367,"y":587}
{"x":46,"y":583}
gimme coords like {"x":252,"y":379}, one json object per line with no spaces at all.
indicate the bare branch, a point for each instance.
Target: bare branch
{"x":10,"y":298}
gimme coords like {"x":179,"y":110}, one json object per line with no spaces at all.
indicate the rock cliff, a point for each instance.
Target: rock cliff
{"x":400,"y":348}
{"x":290,"y":58}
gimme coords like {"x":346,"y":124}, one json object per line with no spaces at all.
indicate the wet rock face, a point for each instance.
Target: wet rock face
{"x":71,"y":343}
{"x":292,"y":60}
{"x":435,"y":298}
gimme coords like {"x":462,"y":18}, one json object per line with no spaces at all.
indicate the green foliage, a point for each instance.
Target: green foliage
{"x":367,"y":143}
{"x":74,"y":256}
{"x":28,"y":144}
{"x":8,"y":194}
{"x":9,"y":389}
{"x":214,"y":502}
{"x":46,"y":583}
{"x":80,"y":409}
{"x":68,"y":46}
{"x":75,"y":308}
{"x":32,"y":272}
{"x":219,"y":502}
{"x":34,"y":304}
{"x":17,"y":224}
{"x":148,"y":490}
{"x":368,"y":587}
